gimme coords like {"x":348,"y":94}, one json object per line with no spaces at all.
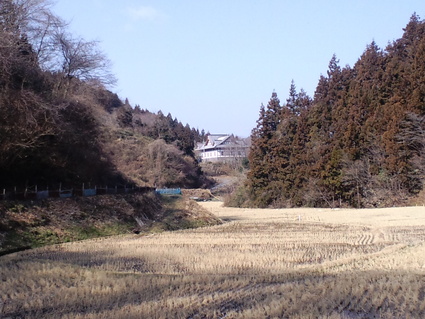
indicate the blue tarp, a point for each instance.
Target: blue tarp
{"x":89,"y":192}
{"x":169,"y":191}
{"x":43,"y":195}
{"x":65,"y":194}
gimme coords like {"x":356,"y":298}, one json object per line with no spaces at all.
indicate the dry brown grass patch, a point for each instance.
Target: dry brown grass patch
{"x":260,"y":264}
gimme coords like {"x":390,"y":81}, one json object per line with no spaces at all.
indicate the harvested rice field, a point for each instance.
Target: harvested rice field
{"x":261,"y":263}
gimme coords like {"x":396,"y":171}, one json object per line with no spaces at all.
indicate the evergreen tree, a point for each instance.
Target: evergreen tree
{"x":292,"y":100}
{"x":359,"y":141}
{"x":262,"y":154}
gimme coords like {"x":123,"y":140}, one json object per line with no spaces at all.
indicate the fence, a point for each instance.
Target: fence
{"x":33,"y":193}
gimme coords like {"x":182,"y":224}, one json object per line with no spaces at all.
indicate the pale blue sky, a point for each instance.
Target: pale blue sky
{"x":211,"y":63}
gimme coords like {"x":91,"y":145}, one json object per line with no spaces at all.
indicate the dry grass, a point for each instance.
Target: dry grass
{"x":293,"y":263}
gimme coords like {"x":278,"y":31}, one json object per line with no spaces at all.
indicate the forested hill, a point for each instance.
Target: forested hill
{"x":360,"y":141}
{"x":59,"y":123}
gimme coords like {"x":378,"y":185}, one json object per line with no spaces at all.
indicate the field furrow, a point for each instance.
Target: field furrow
{"x":259,"y":264}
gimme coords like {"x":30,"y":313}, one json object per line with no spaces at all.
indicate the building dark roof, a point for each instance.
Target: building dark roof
{"x":221,"y":141}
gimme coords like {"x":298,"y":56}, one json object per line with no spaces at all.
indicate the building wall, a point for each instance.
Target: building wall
{"x":222,"y":155}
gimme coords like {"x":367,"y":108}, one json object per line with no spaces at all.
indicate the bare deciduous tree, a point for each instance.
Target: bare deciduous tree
{"x":53,"y":48}
{"x":33,"y":20}
{"x":77,"y":58}
{"x":356,"y":177}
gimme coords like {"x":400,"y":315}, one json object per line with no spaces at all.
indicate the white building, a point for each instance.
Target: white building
{"x":222,"y":147}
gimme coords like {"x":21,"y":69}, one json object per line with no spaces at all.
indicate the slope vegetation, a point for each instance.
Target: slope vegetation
{"x":60,"y":124}
{"x":26,"y":224}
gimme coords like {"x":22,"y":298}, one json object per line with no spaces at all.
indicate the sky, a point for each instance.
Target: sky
{"x":212,"y":63}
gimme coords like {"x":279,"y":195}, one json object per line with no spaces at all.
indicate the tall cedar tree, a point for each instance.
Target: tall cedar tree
{"x":358,"y":142}
{"x":261,"y":156}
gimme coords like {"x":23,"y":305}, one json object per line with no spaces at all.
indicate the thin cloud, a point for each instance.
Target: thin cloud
{"x":145,"y":13}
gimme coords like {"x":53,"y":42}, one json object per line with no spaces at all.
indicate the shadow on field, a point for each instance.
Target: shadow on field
{"x":228,"y":219}
{"x":100,"y":285}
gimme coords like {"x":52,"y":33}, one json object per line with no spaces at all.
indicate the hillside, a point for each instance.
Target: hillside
{"x":61,"y":124}
{"x":61,"y":127}
{"x":358,"y":142}
{"x":86,"y":140}
{"x":29,"y":224}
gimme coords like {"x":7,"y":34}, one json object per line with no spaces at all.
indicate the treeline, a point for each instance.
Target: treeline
{"x":360,"y":141}
{"x":60,"y":124}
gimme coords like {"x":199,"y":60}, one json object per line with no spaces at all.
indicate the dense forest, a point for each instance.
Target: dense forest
{"x":359,"y":142}
{"x":59,"y":123}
